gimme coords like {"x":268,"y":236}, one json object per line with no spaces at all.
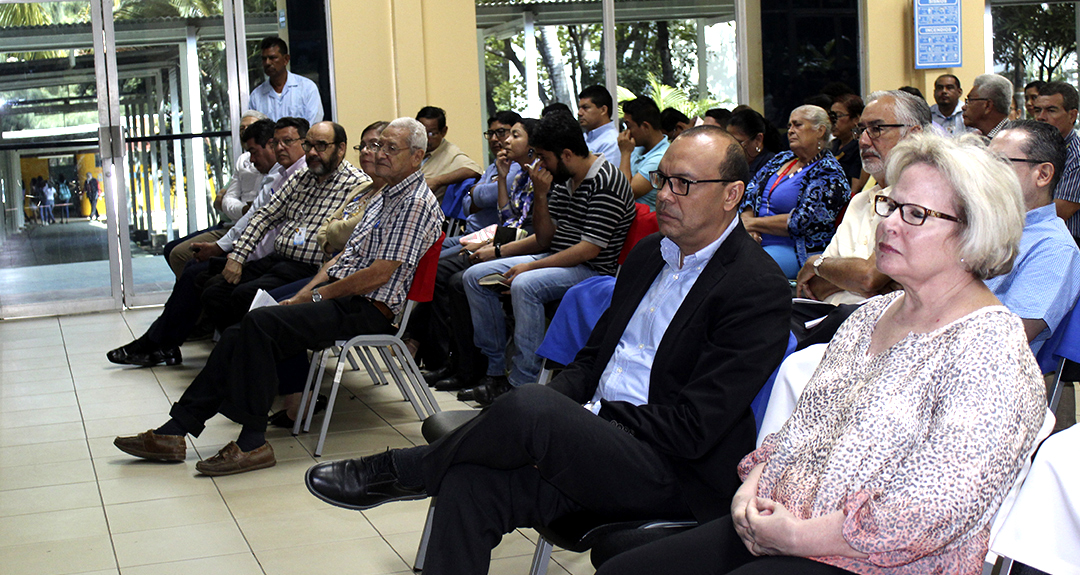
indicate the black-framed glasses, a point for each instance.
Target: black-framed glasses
{"x":500,"y":132}
{"x":388,"y":149}
{"x":1027,"y":161}
{"x":679,"y":186}
{"x":284,"y":142}
{"x":875,"y":130}
{"x":912,"y":214}
{"x":970,"y":100}
{"x":320,"y":147}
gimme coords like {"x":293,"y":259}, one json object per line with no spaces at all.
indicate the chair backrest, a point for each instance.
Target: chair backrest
{"x":1064,"y":343}
{"x":644,"y":225}
{"x":761,"y":400}
{"x":423,"y":284}
{"x":454,"y":195}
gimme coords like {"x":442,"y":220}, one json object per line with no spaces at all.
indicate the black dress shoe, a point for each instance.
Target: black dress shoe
{"x":170,"y":356}
{"x":282,"y":419}
{"x":454,"y":383}
{"x":433,"y":375}
{"x":121,"y":354}
{"x":490,"y":387}
{"x":359,"y":483}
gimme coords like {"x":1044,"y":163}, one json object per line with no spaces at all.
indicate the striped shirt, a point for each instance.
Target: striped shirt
{"x":301,"y":206}
{"x":599,"y":211}
{"x":400,"y":224}
{"x":1068,"y":187}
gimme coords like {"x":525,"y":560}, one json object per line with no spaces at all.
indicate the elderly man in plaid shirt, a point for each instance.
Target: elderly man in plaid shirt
{"x":297,"y":211}
{"x":359,"y":291}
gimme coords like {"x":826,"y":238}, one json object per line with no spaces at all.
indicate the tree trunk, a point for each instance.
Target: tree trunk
{"x":552,"y":56}
{"x":663,"y":52}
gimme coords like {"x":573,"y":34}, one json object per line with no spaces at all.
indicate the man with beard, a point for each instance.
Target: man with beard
{"x":697,"y":322}
{"x":846,"y":271}
{"x":359,"y":291}
{"x":305,"y":202}
{"x":582,"y":209}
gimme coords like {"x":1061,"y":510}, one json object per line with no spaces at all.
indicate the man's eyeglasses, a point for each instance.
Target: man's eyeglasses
{"x":388,"y":149}
{"x":1027,"y":161}
{"x":500,"y":132}
{"x":970,"y":100}
{"x":286,"y":142}
{"x":912,"y":214}
{"x":320,"y":147}
{"x":679,"y":186}
{"x":875,"y":130}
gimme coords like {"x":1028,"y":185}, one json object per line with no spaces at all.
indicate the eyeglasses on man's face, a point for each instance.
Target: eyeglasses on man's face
{"x":678,"y":185}
{"x":912,"y":214}
{"x":285,"y":142}
{"x":386,"y":148}
{"x":875,"y":130}
{"x":970,"y":100}
{"x":319,"y":146}
{"x":499,"y":132}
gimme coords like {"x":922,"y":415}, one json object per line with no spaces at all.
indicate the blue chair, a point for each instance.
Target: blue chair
{"x":1062,"y":353}
{"x":451,"y":204}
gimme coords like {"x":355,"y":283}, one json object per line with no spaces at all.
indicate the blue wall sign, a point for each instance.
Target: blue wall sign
{"x":938,"y":34}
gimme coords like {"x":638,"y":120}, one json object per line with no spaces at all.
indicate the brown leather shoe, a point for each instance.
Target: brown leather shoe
{"x":150,"y":445}
{"x":232,"y":460}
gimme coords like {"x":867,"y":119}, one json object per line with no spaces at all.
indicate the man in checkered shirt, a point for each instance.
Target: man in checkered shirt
{"x":297,"y":211}
{"x":359,"y":291}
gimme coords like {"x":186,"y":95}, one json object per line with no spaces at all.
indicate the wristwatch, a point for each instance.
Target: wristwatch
{"x":817,"y":264}
{"x":316,"y":297}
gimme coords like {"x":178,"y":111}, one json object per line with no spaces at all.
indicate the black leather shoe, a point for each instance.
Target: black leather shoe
{"x":121,"y":354}
{"x":433,"y":375}
{"x":282,"y":419}
{"x":490,"y":387}
{"x":170,"y":356}
{"x":359,"y":483}
{"x":454,"y":383}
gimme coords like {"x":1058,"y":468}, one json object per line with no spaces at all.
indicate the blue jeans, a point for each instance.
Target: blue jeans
{"x":529,"y":292}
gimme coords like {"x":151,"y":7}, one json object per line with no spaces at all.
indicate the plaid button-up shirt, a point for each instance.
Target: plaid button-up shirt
{"x":300,"y":207}
{"x":400,"y":224}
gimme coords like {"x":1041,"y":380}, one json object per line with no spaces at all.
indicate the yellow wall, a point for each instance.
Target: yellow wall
{"x":392,"y":57}
{"x":753,"y":57}
{"x":889,"y":37}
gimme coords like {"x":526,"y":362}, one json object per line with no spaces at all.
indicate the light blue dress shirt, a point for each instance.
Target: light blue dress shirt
{"x":626,"y":377}
{"x":604,"y":140}
{"x":1045,"y":279}
{"x":298,"y":99}
{"x":642,"y":162}
{"x":950,"y":125}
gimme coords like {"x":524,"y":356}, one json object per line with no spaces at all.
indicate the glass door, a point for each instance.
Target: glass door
{"x":58,"y":234}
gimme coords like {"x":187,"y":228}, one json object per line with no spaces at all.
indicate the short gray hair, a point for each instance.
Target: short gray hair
{"x":254,"y":114}
{"x":910,"y":110}
{"x":986,"y":193}
{"x":416,"y":133}
{"x":818,"y":117}
{"x":997,"y":89}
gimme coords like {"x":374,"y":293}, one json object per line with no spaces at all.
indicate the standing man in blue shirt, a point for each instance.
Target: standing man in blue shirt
{"x":947,"y":114}
{"x":594,"y":115}
{"x":284,"y":94}
{"x":641,"y":147}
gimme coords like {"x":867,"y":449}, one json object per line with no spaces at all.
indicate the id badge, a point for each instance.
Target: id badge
{"x":298,"y":237}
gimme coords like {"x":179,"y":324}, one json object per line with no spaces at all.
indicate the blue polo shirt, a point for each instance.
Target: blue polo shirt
{"x":642,"y":162}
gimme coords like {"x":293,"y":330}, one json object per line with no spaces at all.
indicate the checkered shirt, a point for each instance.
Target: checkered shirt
{"x":303,"y":204}
{"x":400,"y":224}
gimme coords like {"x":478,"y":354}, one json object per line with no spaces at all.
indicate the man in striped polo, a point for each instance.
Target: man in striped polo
{"x":582,"y":209}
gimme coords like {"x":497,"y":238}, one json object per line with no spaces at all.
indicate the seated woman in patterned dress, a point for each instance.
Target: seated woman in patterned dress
{"x":916,"y":422}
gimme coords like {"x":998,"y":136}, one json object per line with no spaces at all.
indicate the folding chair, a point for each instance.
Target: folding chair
{"x":451,"y":205}
{"x":390,"y":347}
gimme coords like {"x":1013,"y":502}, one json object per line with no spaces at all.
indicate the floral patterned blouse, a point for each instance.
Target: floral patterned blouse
{"x":517,"y":213}
{"x":918,"y":445}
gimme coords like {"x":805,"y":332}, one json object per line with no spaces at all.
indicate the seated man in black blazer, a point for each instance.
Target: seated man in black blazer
{"x":698,"y":321}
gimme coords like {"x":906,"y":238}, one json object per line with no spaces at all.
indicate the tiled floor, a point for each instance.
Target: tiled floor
{"x":71,"y":503}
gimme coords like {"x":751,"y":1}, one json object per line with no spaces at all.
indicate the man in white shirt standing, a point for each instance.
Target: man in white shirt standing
{"x":283,"y":93}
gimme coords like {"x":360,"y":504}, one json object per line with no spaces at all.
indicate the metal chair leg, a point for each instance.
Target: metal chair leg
{"x":541,"y":557}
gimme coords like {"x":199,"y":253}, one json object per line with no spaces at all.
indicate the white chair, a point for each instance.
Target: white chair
{"x":389,"y":347}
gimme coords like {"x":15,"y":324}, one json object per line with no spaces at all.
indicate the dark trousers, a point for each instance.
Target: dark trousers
{"x":711,"y":549}
{"x":182,"y":309}
{"x":240,"y":377}
{"x":226,"y":303}
{"x":531,"y":457}
{"x":444,"y":327}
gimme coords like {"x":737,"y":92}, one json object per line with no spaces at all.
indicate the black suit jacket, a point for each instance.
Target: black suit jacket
{"x":725,"y":340}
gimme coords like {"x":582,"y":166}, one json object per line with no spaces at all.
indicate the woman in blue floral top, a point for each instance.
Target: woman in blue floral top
{"x":792,"y":203}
